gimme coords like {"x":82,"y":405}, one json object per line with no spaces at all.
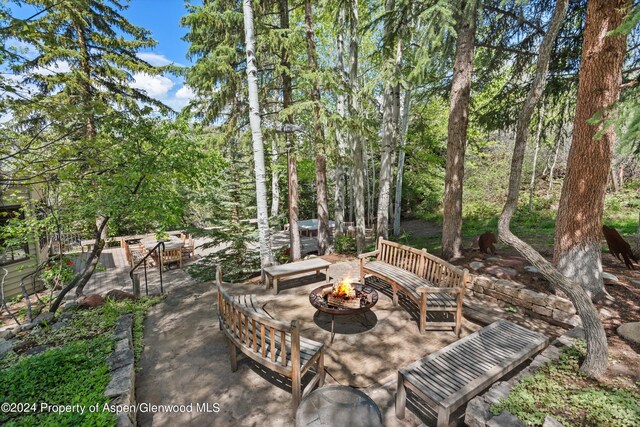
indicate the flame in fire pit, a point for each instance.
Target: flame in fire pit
{"x":344,"y":288}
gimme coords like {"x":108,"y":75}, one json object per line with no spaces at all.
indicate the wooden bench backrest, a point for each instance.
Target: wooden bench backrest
{"x":257,"y":333}
{"x":421,"y":263}
{"x":401,"y":256}
{"x":171,"y":255}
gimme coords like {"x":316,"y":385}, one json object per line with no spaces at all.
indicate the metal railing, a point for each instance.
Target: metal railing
{"x":33,"y":275}
{"x":143,"y":261}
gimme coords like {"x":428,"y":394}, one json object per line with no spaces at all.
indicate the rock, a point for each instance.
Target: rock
{"x":16,"y":330}
{"x":118,"y":295}
{"x":476,"y":265}
{"x":123,"y":328}
{"x":37,"y":350}
{"x":634,"y":282}
{"x":511,"y":262}
{"x":90,"y":301}
{"x":497,"y":393}
{"x":6,"y":334}
{"x":549,"y":421}
{"x":531,"y":269}
{"x":66,"y":316}
{"x":630,"y":332}
{"x":69,"y":305}
{"x":502,"y":272}
{"x":122,"y":356}
{"x":44,"y":319}
{"x":28,"y":326}
{"x":505,"y":419}
{"x":608,"y":277}
{"x":493,"y":259}
{"x":5,"y":346}
{"x":59,"y":325}
{"x":477,"y":413}
{"x":121,"y":381}
{"x":606,"y":313}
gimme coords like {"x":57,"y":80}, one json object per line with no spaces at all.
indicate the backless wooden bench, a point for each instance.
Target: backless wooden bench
{"x":450,"y":377}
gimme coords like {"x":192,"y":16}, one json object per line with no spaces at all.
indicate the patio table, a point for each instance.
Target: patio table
{"x":172,"y":243}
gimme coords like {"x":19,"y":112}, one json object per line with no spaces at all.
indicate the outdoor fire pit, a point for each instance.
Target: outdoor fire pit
{"x":343,"y":298}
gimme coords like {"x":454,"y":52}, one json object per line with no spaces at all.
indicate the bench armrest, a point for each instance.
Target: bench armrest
{"x":436,"y":289}
{"x":368,"y":254}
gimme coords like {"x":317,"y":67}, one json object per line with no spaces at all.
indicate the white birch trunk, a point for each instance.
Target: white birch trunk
{"x":264,"y":236}
{"x":406,"y":105}
{"x":275,"y":176}
{"x":340,"y":138}
{"x":358,"y":154}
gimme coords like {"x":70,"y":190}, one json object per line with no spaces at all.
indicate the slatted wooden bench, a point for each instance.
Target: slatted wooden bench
{"x":275,"y":344}
{"x":450,"y":377}
{"x":432,"y":284}
{"x":275,"y":273}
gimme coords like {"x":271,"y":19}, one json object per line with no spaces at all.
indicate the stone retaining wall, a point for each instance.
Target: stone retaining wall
{"x":477,"y":413}
{"x":121,"y":390}
{"x":555,"y":309}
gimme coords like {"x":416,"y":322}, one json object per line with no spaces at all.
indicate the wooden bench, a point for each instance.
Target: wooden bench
{"x":450,"y":377}
{"x":272,"y":343}
{"x":432,"y":284}
{"x":274,"y":273}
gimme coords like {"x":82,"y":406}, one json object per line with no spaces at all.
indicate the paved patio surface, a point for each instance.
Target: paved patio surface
{"x":186,"y":361}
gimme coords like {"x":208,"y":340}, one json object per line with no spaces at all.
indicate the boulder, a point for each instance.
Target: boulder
{"x":630,"y":332}
{"x":7,"y":334}
{"x":609,"y":278}
{"x":90,"y":301}
{"x":45,"y":318}
{"x":511,"y":262}
{"x":531,"y":269}
{"x":505,"y":419}
{"x":118,"y":295}
{"x":502,"y":272}
{"x":5,"y":346}
{"x":549,"y":421}
{"x":476,"y":265}
{"x":477,"y":413}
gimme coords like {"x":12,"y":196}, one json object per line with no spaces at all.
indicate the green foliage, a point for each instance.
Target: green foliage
{"x":75,"y":374}
{"x":560,"y":389}
{"x":345,"y":244}
{"x":58,"y":272}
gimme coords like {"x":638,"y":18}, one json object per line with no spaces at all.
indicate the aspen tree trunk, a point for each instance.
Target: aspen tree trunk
{"x":595,"y":362}
{"x":292,"y":168}
{"x":275,"y":175}
{"x":406,"y":105}
{"x":555,"y":160}
{"x":358,"y":150}
{"x":532,"y":183}
{"x":264,"y":235}
{"x":579,"y":221}
{"x":457,"y":130}
{"x":386,"y":167}
{"x":318,"y":137}
{"x":340,"y":137}
{"x":638,"y":238}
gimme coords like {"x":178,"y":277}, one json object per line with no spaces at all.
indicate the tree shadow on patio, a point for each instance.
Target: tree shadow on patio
{"x":347,"y":324}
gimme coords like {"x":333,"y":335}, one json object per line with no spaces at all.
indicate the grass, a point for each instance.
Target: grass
{"x":538,"y":226}
{"x":73,"y":371}
{"x":561,"y":390}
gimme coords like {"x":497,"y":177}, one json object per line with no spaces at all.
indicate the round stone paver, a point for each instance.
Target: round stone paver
{"x":630,"y":332}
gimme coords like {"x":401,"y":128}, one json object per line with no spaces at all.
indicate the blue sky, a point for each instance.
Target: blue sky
{"x":162,"y":18}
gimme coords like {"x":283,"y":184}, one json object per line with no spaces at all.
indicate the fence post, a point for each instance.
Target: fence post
{"x":136,"y":285}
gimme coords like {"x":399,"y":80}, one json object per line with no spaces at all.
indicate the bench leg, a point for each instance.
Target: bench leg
{"x":233,"y":355}
{"x":267,"y":282}
{"x":443,"y":417}
{"x":423,"y":313}
{"x":275,"y":286}
{"x":317,"y":273}
{"x":321,"y":371}
{"x":326,"y":275}
{"x":395,"y":295}
{"x":401,"y":397}
{"x":296,"y":391}
{"x":459,"y":317}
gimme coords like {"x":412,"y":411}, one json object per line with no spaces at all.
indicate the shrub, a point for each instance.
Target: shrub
{"x":346,"y":244}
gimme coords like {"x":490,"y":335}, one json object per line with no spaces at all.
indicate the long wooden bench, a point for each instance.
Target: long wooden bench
{"x":431,"y":283}
{"x":272,"y":343}
{"x":450,"y":377}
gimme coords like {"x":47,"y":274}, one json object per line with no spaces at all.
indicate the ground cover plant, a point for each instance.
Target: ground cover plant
{"x":72,"y":370}
{"x":560,"y":389}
